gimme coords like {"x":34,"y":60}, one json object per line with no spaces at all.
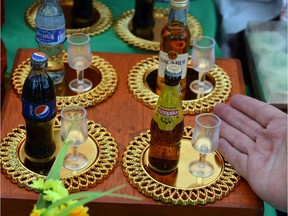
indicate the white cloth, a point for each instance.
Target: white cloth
{"x":236,"y":13}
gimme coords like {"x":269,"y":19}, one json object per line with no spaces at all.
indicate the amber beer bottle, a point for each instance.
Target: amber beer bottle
{"x":167,"y":124}
{"x":143,"y":20}
{"x":175,"y":42}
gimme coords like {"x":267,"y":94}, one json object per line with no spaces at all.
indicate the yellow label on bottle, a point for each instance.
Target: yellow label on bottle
{"x":167,"y":118}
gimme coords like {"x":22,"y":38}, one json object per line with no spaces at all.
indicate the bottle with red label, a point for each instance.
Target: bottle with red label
{"x":39,"y":111}
{"x":167,"y":124}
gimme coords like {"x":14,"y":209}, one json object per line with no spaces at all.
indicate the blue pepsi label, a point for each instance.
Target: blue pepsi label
{"x":50,"y":36}
{"x":40,"y":112}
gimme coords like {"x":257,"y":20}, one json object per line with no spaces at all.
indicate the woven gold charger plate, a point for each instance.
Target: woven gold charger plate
{"x":103,"y":18}
{"x":179,"y":187}
{"x":100,"y":149}
{"x":102,"y":74}
{"x":142,"y":83}
{"x":122,"y":27}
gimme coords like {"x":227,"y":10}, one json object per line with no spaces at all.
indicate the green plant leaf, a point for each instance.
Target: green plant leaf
{"x":85,"y":197}
{"x":54,"y":173}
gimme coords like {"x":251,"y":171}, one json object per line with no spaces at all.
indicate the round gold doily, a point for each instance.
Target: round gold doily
{"x":122,"y":29}
{"x":103,"y":22}
{"x":179,"y":187}
{"x":102,"y":74}
{"x":100,"y":148}
{"x":139,"y":85}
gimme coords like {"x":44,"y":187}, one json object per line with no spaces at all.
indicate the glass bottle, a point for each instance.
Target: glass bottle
{"x":175,"y":43}
{"x":50,"y":36}
{"x":82,"y":13}
{"x":167,"y":124}
{"x":143,"y":20}
{"x":39,"y":111}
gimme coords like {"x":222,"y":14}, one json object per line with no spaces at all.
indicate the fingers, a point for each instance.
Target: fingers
{"x":237,"y":159}
{"x":236,"y":119}
{"x":236,"y":138}
{"x":259,"y":111}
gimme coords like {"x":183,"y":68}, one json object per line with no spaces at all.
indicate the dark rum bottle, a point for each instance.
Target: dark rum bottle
{"x":175,"y":42}
{"x":143,"y":20}
{"x":82,"y":13}
{"x":167,"y":124}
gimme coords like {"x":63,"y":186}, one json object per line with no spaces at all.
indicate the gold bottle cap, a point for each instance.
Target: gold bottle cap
{"x":179,"y":4}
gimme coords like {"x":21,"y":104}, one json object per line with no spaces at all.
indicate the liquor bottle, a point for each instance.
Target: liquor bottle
{"x":82,"y":13}
{"x":143,"y":20}
{"x":175,"y":43}
{"x":39,"y":111}
{"x":167,"y":124}
{"x":50,"y":36}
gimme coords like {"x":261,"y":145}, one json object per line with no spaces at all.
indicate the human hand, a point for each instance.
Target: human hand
{"x":253,"y":139}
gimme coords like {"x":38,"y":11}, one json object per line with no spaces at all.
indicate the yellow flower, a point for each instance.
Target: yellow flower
{"x":79,"y":211}
{"x":52,"y":196}
{"x":38,"y":184}
{"x":37,"y":212}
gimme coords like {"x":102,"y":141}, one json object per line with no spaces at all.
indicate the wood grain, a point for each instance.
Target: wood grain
{"x":125,"y":118}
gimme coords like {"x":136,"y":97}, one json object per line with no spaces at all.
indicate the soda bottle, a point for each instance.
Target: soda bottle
{"x":39,"y":111}
{"x":50,"y":36}
{"x":143,"y":19}
{"x":175,"y":42}
{"x":167,"y":124}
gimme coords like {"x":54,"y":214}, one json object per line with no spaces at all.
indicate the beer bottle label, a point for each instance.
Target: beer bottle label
{"x":172,"y":57}
{"x":39,"y":112}
{"x":167,"y":118}
{"x":50,"y":36}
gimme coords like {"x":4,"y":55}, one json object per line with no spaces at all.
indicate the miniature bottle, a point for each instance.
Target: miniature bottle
{"x":50,"y":36}
{"x":143,"y":20}
{"x":82,"y":13}
{"x":167,"y":124}
{"x":175,"y":42}
{"x":39,"y":111}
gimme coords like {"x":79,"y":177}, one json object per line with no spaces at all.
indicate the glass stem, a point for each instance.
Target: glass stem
{"x":80,"y":77}
{"x":201,"y":78}
{"x":75,"y":153}
{"x":202,"y":160}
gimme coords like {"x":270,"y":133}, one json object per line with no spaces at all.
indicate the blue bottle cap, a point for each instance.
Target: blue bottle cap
{"x":39,"y":57}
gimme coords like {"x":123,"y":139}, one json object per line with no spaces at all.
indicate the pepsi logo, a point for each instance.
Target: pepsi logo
{"x":42,"y":111}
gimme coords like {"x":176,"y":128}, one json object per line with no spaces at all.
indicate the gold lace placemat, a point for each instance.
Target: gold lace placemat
{"x":179,"y":187}
{"x":122,"y":27}
{"x":142,"y":81}
{"x":100,"y":148}
{"x":102,"y":74}
{"x":103,"y":21}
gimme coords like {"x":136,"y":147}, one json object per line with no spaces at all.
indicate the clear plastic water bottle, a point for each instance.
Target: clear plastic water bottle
{"x":50,"y":36}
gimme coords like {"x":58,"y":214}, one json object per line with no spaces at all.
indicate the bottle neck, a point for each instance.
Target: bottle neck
{"x":177,"y":16}
{"x":170,"y":87}
{"x":39,"y":68}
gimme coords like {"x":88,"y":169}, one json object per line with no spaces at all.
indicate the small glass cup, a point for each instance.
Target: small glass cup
{"x":202,"y":60}
{"x":205,"y":139}
{"x":79,"y":58}
{"x":74,"y":130}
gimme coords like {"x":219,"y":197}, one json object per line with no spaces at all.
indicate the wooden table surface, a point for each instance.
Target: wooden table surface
{"x":125,"y":118}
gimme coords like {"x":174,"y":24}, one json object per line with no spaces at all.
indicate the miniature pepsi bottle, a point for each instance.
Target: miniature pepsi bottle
{"x":39,"y":111}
